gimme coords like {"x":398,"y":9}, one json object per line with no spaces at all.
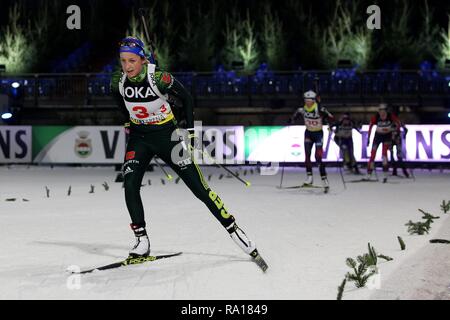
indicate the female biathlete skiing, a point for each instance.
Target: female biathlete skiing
{"x":142,"y":91}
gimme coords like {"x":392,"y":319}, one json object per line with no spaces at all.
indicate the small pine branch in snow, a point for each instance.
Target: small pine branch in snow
{"x":366,"y":259}
{"x":363,"y":267}
{"x":402,"y":243}
{"x":361,"y":273}
{"x":373,"y":255}
{"x":419,"y":228}
{"x":440,"y":241}
{"x":341,"y":289}
{"x":382,"y":256}
{"x":428,"y":217}
{"x":445,"y":206}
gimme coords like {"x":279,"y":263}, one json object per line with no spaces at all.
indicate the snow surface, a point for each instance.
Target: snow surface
{"x":304,"y":235}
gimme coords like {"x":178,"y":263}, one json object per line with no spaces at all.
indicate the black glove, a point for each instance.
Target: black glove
{"x":126,"y":126}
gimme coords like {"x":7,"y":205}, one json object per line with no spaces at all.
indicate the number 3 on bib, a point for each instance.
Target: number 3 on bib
{"x":313,"y":123}
{"x":141,"y":112}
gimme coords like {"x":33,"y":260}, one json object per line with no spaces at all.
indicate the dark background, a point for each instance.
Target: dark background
{"x":105,"y":22}
{"x":64,"y":75}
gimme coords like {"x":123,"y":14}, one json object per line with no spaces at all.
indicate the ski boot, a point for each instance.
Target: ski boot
{"x":385,"y":176}
{"x":247,"y":245}
{"x":325,"y":184}
{"x":368,"y":176}
{"x":309,"y":180}
{"x":394,"y":171}
{"x":405,"y":172}
{"x":142,"y":246}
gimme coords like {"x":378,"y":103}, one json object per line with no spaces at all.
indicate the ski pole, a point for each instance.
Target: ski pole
{"x":340,"y":165}
{"x":142,"y":12}
{"x":342,"y":174}
{"x":247,"y":184}
{"x":169,"y":177}
{"x":282,"y":175}
{"x":412,"y":174}
{"x":282,"y":171}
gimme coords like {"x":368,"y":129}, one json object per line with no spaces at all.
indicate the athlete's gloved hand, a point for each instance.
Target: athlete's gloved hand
{"x":126,"y":126}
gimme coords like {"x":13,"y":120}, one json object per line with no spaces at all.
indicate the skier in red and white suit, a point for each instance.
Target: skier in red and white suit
{"x":386,"y":123}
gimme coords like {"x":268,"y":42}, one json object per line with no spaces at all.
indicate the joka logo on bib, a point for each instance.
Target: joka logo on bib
{"x":141,"y":92}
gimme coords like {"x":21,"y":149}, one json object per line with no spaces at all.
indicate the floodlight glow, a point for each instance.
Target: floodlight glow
{"x":15,"y":85}
{"x":6,"y":115}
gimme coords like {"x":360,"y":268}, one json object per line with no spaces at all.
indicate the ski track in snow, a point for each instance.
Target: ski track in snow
{"x":304,"y":235}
